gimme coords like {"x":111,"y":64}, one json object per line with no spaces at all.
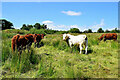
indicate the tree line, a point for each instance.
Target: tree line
{"x":8,"y":25}
{"x":36,"y":26}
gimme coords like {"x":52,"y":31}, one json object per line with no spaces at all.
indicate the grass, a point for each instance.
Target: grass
{"x":57,"y":60}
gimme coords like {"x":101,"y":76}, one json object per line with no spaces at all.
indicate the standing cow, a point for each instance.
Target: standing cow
{"x":38,"y":38}
{"x":80,"y":39}
{"x":108,"y":36}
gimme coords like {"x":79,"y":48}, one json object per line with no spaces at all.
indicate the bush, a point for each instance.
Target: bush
{"x":17,"y":31}
{"x":62,"y":32}
{"x":48,"y":31}
{"x":100,"y":30}
{"x":36,"y":31}
{"x":74,"y":30}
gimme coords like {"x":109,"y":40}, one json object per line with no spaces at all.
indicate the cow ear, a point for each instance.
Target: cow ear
{"x":67,"y":37}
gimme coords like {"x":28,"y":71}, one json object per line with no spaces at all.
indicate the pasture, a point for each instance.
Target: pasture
{"x":54,"y":59}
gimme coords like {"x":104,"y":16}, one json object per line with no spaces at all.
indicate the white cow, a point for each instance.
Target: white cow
{"x":80,"y":39}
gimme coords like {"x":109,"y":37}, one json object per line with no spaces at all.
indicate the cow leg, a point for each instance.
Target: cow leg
{"x":70,"y":45}
{"x":86,"y":46}
{"x":80,"y":46}
{"x":104,"y":40}
{"x":34,"y":45}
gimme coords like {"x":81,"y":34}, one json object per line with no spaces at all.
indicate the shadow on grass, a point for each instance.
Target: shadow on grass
{"x":77,"y":49}
{"x":89,"y":51}
{"x":40,"y":45}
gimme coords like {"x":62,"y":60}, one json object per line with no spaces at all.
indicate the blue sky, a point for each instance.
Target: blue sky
{"x":63,"y":15}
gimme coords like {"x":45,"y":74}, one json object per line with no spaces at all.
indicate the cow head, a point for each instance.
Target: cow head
{"x":101,"y":37}
{"x":65,"y":37}
{"x":30,"y":37}
{"x":37,"y":38}
{"x":42,"y":36}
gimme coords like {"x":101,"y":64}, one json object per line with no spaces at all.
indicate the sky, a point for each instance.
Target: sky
{"x":63,"y":15}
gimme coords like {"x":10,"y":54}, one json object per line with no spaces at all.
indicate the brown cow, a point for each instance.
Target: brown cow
{"x":38,"y":38}
{"x":20,"y":42}
{"x":14,"y":42}
{"x":108,"y":36}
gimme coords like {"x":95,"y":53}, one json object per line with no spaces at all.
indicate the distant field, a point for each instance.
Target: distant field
{"x":56,"y":60}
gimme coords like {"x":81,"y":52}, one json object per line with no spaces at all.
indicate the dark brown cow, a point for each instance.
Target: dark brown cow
{"x":38,"y":38}
{"x":108,"y":36}
{"x":21,"y":42}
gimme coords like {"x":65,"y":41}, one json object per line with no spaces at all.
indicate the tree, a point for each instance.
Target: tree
{"x":44,"y":26}
{"x":100,"y":30}
{"x":37,"y":26}
{"x":6,"y":24}
{"x":115,"y":31}
{"x":74,"y":30}
{"x":28,"y":27}
{"x":88,"y":31}
{"x":107,"y":31}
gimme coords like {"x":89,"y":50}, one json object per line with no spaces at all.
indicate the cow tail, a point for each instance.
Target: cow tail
{"x":86,"y":38}
{"x":16,"y":42}
{"x":13,"y":45}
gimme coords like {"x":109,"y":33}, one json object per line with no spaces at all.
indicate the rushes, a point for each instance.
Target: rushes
{"x":57,"y":60}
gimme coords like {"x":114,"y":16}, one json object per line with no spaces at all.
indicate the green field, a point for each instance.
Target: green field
{"x":56,"y":60}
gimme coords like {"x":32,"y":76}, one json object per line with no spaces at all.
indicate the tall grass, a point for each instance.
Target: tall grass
{"x":57,"y":60}
{"x":24,"y":62}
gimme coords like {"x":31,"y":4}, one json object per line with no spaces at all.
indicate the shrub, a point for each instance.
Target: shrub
{"x":48,"y":31}
{"x":37,"y":31}
{"x":17,"y":31}
{"x":74,"y":30}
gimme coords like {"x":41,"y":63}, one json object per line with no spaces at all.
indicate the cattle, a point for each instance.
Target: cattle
{"x":38,"y":38}
{"x":80,"y":40}
{"x":108,"y":36}
{"x":14,"y":42}
{"x":22,"y":42}
{"x":19,"y":42}
{"x":30,"y":40}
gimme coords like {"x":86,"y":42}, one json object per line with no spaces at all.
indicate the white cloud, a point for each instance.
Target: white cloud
{"x":72,"y":13}
{"x":97,"y":26}
{"x":47,"y":22}
{"x":52,"y":25}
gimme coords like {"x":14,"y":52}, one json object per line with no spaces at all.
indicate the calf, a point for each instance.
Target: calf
{"x":80,"y":39}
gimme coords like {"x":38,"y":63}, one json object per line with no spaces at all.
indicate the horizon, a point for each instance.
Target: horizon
{"x":63,"y":15}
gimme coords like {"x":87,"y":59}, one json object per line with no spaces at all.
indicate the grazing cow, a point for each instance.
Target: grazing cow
{"x":80,"y":39}
{"x":108,"y":36}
